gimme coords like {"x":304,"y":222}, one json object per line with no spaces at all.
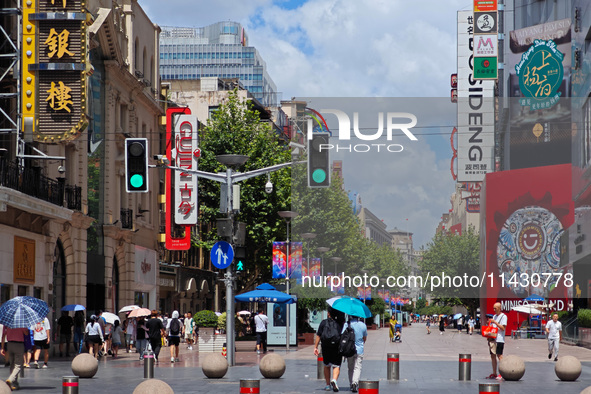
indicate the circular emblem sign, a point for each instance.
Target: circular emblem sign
{"x":485,"y":23}
{"x":540,"y":73}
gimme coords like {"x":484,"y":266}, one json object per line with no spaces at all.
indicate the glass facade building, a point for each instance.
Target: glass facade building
{"x":218,"y":50}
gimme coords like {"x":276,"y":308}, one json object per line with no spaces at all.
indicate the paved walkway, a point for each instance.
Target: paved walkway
{"x":428,"y":363}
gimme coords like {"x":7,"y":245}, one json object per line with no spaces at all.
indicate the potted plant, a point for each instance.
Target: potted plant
{"x":207,"y":321}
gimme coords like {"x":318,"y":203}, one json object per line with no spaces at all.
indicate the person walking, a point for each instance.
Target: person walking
{"x":116,"y":335}
{"x":497,"y":345}
{"x":261,"y":320}
{"x":428,"y":325}
{"x":130,"y":333}
{"x":14,"y":352}
{"x":94,"y":335}
{"x":392,"y":325}
{"x":141,"y":337}
{"x":155,"y":333}
{"x":189,"y":325}
{"x":554,"y":332}
{"x":41,"y":337}
{"x":460,"y":324}
{"x":328,"y":335}
{"x":64,"y":328}
{"x":78,"y":331}
{"x":471,"y":324}
{"x":173,"y":329}
{"x":441,"y":325}
{"x":354,"y":363}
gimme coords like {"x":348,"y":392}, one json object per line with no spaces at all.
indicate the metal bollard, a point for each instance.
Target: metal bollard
{"x":465,"y":367}
{"x":148,"y":365}
{"x":320,"y":367}
{"x":70,"y":385}
{"x":250,"y":386}
{"x":493,"y":388}
{"x":393,"y":366}
{"x":369,"y":387}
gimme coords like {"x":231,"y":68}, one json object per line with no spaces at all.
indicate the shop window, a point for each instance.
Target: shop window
{"x":38,"y":292}
{"x":5,"y":291}
{"x":23,"y":290}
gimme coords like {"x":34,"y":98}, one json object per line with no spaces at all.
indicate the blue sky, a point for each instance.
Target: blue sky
{"x":356,"y":48}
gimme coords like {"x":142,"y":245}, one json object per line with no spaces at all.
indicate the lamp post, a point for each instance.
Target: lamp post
{"x":336,"y":260}
{"x":287,"y":216}
{"x":308,"y":237}
{"x":322,"y":250}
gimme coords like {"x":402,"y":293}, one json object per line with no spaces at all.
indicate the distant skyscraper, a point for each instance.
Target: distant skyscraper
{"x":218,"y":50}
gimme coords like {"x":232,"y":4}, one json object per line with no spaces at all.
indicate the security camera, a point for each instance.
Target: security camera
{"x":61,"y":169}
{"x":268,"y":187}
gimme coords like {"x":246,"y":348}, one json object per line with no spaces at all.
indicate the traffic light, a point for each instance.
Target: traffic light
{"x":318,"y":160}
{"x":136,"y":165}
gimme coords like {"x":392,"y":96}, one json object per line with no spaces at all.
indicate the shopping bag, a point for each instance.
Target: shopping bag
{"x":490,"y":331}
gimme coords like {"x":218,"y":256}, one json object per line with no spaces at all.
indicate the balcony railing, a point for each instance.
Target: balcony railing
{"x":127,"y":218}
{"x":30,"y":181}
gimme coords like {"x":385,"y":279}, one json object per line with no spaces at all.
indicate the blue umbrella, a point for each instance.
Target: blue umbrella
{"x":73,"y":307}
{"x":266,"y":296}
{"x":457,"y":316}
{"x":23,"y":312}
{"x":265,"y":286}
{"x":349,"y":305}
{"x":534,"y":298}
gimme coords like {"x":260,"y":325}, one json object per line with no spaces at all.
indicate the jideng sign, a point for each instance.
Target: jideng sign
{"x":185,"y":155}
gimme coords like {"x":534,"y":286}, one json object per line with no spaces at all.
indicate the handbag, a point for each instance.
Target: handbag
{"x":490,"y":331}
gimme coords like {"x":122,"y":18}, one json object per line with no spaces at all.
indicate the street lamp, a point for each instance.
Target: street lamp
{"x":308,"y":237}
{"x":287,"y":216}
{"x":322,"y":250}
{"x":336,"y":260}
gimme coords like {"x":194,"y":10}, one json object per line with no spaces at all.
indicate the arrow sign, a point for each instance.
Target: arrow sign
{"x":222,"y":255}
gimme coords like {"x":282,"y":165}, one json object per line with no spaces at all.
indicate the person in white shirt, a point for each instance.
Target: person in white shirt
{"x":261,"y":321}
{"x":496,"y":346}
{"x":554,"y":331}
{"x":41,"y":338}
{"x":94,"y":336}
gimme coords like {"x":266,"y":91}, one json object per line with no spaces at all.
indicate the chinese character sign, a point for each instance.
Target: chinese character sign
{"x":279,"y":260}
{"x":295,"y":261}
{"x":315,"y":268}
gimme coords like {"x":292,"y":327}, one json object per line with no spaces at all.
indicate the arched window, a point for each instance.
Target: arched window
{"x":145,"y":63}
{"x":136,"y":55}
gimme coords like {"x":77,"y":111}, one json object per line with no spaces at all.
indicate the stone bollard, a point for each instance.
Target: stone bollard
{"x":465,"y":368}
{"x":393,"y":371}
{"x":4,"y":388}
{"x":369,"y":387}
{"x":148,"y":364}
{"x":70,"y":385}
{"x":214,"y":366}
{"x":153,"y":386}
{"x":272,"y":366}
{"x":250,"y":386}
{"x":84,"y":366}
{"x":586,"y":390}
{"x":320,"y":367}
{"x":511,"y":367}
{"x":487,"y":388}
{"x":568,"y":368}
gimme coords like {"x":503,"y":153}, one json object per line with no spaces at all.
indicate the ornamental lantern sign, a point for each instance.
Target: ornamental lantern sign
{"x":54,"y":69}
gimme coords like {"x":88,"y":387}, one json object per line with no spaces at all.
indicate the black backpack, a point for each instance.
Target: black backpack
{"x":330,"y":333}
{"x":347,"y":346}
{"x":175,"y":326}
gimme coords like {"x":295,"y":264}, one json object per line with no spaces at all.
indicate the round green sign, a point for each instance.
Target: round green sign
{"x":540,"y":73}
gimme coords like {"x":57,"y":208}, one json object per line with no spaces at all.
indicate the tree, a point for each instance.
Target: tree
{"x":455,"y":256}
{"x":235,"y":128}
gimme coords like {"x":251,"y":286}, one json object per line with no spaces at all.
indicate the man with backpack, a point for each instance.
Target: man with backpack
{"x":329,"y":334}
{"x":173,"y":329}
{"x":352,"y":340}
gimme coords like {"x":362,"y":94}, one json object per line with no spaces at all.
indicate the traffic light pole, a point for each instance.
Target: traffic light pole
{"x":229,"y":178}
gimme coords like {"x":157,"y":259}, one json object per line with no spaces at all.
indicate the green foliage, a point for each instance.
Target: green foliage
{"x":456,"y":255}
{"x":235,"y":128}
{"x":377,"y":307}
{"x":420,"y":304}
{"x":584,"y":318}
{"x":206,"y":319}
{"x":222,"y":321}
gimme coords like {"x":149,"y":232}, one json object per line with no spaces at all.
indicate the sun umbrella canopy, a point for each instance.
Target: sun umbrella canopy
{"x":139,"y":312}
{"x":457,"y":316}
{"x":349,"y":305}
{"x":73,"y":307}
{"x":23,"y":312}
{"x":265,"y":286}
{"x":110,"y":317}
{"x":244,"y":313}
{"x":128,"y":308}
{"x":530,"y":309}
{"x":266,"y":296}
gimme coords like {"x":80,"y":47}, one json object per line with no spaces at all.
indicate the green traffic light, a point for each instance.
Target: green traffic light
{"x":136,"y":180}
{"x":319,"y":175}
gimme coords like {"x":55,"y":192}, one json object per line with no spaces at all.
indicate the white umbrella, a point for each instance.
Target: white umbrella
{"x":110,"y":317}
{"x":128,"y":308}
{"x":244,"y":313}
{"x":529,"y":309}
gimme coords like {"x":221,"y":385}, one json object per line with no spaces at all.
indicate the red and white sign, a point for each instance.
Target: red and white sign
{"x":185,"y":155}
{"x":485,"y":5}
{"x":485,"y":45}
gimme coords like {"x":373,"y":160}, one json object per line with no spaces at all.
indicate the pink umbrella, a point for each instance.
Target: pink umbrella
{"x":140,"y":312}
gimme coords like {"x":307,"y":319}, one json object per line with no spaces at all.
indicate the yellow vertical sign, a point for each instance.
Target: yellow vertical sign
{"x":29,"y":57}
{"x":24,"y":260}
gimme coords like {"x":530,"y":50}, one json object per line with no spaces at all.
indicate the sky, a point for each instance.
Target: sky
{"x":359,"y":48}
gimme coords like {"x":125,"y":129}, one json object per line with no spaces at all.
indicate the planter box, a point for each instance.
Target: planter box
{"x":209,"y":342}
{"x":584,"y":336}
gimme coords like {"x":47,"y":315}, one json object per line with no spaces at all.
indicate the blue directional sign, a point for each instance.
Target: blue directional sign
{"x":222,"y":255}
